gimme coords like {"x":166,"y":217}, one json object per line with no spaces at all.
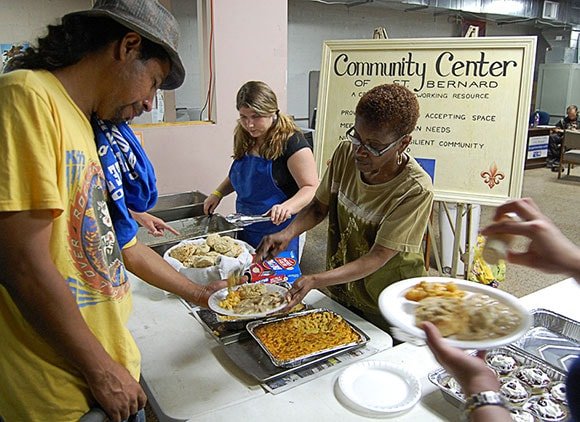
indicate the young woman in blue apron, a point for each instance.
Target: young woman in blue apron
{"x":273,"y":172}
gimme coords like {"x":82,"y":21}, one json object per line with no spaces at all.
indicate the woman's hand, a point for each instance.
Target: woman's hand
{"x":154,"y":225}
{"x":299,"y":290}
{"x":210,"y":204}
{"x":270,"y":246}
{"x":279,"y":213}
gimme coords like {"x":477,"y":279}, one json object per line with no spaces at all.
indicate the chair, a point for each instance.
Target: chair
{"x":544,"y":118}
{"x":570,"y":151}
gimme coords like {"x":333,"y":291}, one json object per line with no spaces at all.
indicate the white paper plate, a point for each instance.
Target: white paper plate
{"x":215,"y":299}
{"x":378,"y":388}
{"x":401,"y":312}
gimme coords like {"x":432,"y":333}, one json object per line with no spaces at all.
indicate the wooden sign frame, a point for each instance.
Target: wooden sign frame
{"x":474,"y":95}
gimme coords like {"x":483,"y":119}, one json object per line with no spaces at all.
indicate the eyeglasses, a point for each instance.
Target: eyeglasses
{"x":355,"y":140}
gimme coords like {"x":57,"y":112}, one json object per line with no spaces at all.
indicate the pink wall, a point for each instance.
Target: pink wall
{"x":250,"y":43}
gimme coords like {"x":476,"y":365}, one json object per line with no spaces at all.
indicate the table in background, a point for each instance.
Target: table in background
{"x":188,"y":377}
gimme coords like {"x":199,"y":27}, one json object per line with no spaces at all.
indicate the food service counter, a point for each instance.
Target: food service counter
{"x":187,"y":375}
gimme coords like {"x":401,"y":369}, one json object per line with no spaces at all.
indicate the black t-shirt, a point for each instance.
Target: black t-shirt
{"x":566,"y":123}
{"x":280,"y":171}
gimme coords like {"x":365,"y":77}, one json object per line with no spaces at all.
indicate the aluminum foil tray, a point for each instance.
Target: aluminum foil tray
{"x":291,"y":363}
{"x":178,"y":206}
{"x":228,"y":329}
{"x":189,"y":228}
{"x":452,"y":392}
{"x":553,"y":338}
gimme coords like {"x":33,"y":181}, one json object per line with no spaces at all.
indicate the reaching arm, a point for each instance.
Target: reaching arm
{"x":367,"y":264}
{"x":303,"y":169}
{"x":213,"y":200}
{"x":470,"y":372}
{"x":142,"y":261}
{"x":273,"y":244}
{"x":44,"y":299}
{"x":154,"y":225}
{"x":549,"y":250}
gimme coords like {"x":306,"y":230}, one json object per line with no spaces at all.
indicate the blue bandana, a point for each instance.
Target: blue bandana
{"x":129,"y":174}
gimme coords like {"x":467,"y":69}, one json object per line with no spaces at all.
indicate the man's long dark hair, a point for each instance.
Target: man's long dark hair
{"x":77,"y":36}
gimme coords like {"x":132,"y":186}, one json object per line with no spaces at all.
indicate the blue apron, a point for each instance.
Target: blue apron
{"x":257,"y":192}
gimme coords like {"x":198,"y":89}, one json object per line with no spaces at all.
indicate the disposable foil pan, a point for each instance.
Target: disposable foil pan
{"x":252,"y":326}
{"x":178,"y":206}
{"x":227,"y":329}
{"x":189,"y":228}
{"x":453,"y":394}
{"x":553,"y":338}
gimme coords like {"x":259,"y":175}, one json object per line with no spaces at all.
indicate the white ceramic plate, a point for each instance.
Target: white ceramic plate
{"x":378,"y":388}
{"x":215,"y":299}
{"x":401,"y":312}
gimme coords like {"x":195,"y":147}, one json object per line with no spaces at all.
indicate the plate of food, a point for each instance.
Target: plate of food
{"x":469,"y":315}
{"x":250,"y":300}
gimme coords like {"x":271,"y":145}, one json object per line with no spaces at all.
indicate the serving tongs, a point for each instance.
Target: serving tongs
{"x":205,"y":222}
{"x":241,"y":220}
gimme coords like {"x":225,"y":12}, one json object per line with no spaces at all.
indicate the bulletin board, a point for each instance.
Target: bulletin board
{"x":474,"y":96}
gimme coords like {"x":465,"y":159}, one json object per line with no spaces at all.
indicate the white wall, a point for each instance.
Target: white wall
{"x":250,"y":42}
{"x":311,"y":23}
{"x":20,"y":19}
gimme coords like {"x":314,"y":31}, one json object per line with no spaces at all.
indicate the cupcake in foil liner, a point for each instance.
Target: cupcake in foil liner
{"x":558,"y":392}
{"x":514,"y":390}
{"x":452,"y":385}
{"x":545,"y":408}
{"x":503,"y":364}
{"x":534,"y":377}
{"x":520,"y":415}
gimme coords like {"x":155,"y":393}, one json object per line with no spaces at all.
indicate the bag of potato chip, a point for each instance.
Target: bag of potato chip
{"x":485,"y":273}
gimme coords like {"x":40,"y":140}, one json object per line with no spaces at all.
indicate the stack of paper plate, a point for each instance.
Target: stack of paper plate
{"x":378,"y":388}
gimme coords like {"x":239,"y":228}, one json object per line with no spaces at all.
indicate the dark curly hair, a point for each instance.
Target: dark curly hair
{"x":76,"y":37}
{"x":389,"y":106}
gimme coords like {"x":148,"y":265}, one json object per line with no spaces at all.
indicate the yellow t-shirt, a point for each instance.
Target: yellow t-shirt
{"x":392,"y":214}
{"x":48,"y":160}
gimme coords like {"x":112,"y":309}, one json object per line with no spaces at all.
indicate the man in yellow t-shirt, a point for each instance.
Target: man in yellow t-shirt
{"x":377,"y":199}
{"x":64,"y":291}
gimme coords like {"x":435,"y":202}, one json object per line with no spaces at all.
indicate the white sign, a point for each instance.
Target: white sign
{"x":538,"y":146}
{"x":474,"y":95}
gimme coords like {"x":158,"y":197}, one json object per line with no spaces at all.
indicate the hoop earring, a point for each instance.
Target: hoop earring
{"x":399,"y":159}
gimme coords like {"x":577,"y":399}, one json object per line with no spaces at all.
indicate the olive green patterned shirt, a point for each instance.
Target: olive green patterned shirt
{"x":393,"y":214}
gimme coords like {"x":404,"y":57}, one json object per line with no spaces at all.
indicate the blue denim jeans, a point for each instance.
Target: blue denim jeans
{"x":139,"y":417}
{"x":98,"y":415}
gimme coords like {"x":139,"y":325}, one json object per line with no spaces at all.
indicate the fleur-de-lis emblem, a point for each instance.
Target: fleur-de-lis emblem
{"x":493,"y":176}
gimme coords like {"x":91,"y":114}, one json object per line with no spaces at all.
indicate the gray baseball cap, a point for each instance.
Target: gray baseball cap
{"x":149,"y":19}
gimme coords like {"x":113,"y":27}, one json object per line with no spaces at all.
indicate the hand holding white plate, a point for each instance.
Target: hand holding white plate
{"x":400,"y":311}
{"x":215,"y":299}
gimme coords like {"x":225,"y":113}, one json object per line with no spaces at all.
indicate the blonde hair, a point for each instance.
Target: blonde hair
{"x":259,"y":97}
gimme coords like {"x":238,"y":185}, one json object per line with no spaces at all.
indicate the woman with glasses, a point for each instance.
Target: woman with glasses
{"x":377,"y":199}
{"x":273,"y":172}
